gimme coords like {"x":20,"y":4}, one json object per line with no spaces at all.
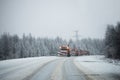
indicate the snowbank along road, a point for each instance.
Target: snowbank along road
{"x":59,"y":68}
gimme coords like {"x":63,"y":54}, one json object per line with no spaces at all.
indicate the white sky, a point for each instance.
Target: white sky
{"x":52,"y":18}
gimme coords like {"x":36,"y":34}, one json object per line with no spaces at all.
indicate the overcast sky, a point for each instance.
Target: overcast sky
{"x":52,"y":18}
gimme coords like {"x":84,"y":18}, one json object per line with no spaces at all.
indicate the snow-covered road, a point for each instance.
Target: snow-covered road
{"x":59,"y":68}
{"x":96,"y":68}
{"x":19,"y":69}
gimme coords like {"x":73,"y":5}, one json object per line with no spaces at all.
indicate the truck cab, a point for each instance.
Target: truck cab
{"x":64,"y":50}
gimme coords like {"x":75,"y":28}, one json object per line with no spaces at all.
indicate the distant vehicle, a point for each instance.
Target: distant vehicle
{"x":76,"y":52}
{"x":64,"y":50}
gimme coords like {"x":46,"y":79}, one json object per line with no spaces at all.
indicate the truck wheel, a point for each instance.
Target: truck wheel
{"x":68,"y":55}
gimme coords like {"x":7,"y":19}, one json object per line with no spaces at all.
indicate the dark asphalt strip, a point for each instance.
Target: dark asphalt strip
{"x":71,"y":72}
{"x":83,"y":74}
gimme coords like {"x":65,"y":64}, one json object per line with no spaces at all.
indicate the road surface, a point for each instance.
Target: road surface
{"x":47,"y":68}
{"x":59,"y":68}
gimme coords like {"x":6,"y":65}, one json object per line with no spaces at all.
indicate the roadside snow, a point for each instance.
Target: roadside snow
{"x":112,"y":61}
{"x":96,"y":65}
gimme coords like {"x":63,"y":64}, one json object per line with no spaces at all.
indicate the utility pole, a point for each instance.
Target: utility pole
{"x":76,"y":36}
{"x":77,"y":39}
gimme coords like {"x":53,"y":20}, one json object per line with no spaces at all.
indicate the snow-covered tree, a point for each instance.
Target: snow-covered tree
{"x":112,"y":41}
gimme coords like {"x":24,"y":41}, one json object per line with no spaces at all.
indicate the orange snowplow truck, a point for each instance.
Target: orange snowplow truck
{"x":64,"y":50}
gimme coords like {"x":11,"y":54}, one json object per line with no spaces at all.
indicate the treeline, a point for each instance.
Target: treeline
{"x":12,"y":46}
{"x":112,"y":41}
{"x":94,"y":46}
{"x":27,"y":46}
